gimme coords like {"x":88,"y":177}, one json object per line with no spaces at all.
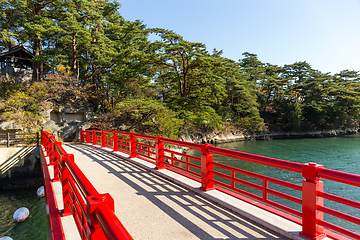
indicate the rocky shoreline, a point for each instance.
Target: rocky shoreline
{"x":235,"y":136}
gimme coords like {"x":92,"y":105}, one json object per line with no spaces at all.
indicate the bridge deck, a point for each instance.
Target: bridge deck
{"x":151,"y":207}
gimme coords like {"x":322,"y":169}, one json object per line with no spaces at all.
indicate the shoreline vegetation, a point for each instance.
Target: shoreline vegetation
{"x":154,"y":82}
{"x":226,"y":137}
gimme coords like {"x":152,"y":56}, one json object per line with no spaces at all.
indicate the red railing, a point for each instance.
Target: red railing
{"x":228,"y":179}
{"x":93,"y":212}
{"x":54,"y":221}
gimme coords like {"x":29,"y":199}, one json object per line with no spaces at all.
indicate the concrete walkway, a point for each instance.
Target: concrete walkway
{"x":151,"y":207}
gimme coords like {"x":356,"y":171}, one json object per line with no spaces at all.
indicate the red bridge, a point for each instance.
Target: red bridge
{"x":160,"y":193}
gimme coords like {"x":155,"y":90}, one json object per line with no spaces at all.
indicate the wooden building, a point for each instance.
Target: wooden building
{"x":17,"y":63}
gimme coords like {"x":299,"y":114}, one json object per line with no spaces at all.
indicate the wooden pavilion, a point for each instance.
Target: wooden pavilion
{"x":17,"y":63}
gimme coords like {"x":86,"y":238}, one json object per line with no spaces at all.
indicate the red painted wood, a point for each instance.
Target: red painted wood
{"x":55,"y":227}
{"x":312,"y":188}
{"x":95,"y":218}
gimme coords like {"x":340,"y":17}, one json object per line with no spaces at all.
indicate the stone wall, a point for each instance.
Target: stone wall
{"x":20,"y":167}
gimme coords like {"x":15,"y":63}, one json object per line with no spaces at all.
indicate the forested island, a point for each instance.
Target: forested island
{"x":86,"y":51}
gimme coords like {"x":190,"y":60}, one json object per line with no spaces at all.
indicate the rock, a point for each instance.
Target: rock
{"x":68,"y":131}
{"x":6,"y":126}
{"x":51,"y":126}
{"x":85,"y":126}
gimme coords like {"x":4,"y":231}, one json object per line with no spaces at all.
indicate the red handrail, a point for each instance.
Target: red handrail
{"x":312,"y":187}
{"x":83,"y":183}
{"x":112,"y":227}
{"x":152,"y":138}
{"x":55,"y":226}
{"x":337,"y":176}
{"x":272,"y":162}
{"x":90,"y":209}
{"x":195,"y":146}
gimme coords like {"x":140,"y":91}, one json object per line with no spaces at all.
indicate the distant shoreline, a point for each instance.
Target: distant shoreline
{"x":236,"y":136}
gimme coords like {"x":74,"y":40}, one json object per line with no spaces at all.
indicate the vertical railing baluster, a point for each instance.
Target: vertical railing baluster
{"x":57,"y":161}
{"x":265,"y":186}
{"x":232,"y":179}
{"x":66,"y":182}
{"x":187,"y":164}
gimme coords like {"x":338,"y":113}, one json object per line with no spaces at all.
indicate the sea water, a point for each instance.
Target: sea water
{"x":35,"y":226}
{"x":338,"y":153}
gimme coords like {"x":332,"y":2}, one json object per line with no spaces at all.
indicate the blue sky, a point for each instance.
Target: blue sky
{"x":324,"y":33}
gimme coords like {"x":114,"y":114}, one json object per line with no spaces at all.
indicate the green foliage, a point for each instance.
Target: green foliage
{"x":23,"y":104}
{"x":149,"y":116}
{"x":20,"y":106}
{"x":240,"y":105}
{"x":186,"y":78}
{"x":86,"y":51}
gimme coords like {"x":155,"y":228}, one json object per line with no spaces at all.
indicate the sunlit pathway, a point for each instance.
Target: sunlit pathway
{"x":151,"y":207}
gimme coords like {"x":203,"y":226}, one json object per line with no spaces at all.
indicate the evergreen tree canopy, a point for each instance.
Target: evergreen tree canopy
{"x":119,"y":70}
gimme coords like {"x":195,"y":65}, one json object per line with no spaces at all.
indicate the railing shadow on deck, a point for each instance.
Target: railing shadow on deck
{"x":185,"y":207}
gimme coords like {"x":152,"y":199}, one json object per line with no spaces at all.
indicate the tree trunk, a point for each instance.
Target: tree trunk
{"x":36,"y":70}
{"x":75,"y":70}
{"x":38,"y":65}
{"x":41,"y":63}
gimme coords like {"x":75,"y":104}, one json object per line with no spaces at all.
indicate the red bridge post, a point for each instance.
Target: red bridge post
{"x":115,"y":141}
{"x":94,"y":137}
{"x":132,"y":145}
{"x":87,"y":136}
{"x":94,"y":231}
{"x":206,"y":167}
{"x":311,"y":187}
{"x":103,"y":138}
{"x":159,"y":149}
{"x":82,"y":137}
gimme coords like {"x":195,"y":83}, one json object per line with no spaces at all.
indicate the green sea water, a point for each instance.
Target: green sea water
{"x":35,"y":226}
{"x":339,"y":153}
